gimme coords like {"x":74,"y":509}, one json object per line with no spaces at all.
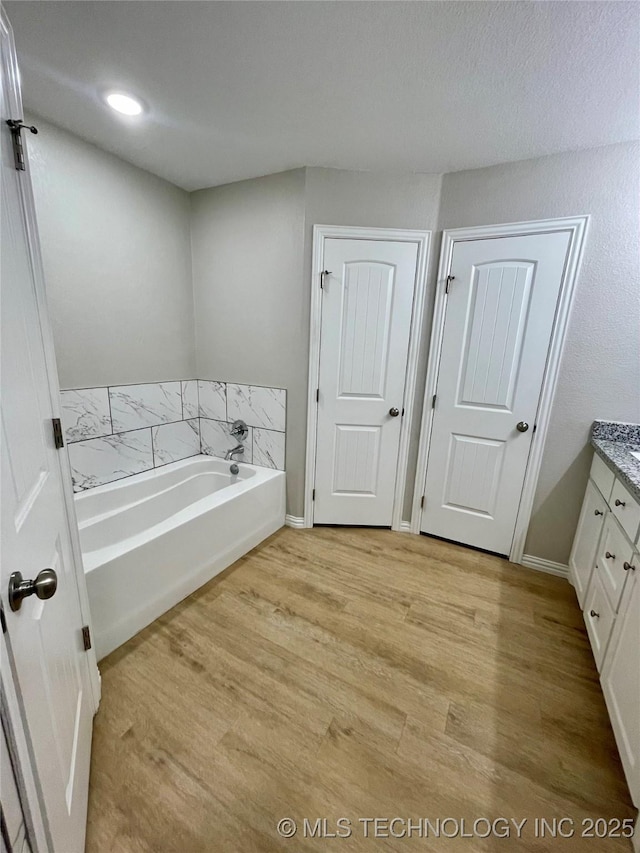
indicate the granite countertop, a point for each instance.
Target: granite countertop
{"x":613,"y":442}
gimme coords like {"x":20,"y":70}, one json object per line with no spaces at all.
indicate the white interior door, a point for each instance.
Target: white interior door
{"x":44,"y":637}
{"x":498,"y":323}
{"x":366,"y":322}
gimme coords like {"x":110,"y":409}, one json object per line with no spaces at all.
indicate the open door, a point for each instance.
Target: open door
{"x":51,"y":669}
{"x":501,"y":306}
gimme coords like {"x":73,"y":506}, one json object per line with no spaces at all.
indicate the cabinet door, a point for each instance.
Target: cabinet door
{"x":599,"y":618}
{"x":613,"y":554}
{"x":621,"y":682}
{"x":583,"y":553}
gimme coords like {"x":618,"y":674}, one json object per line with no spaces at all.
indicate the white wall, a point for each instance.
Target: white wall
{"x":117,"y":261}
{"x":251,"y":307}
{"x":600,"y":369}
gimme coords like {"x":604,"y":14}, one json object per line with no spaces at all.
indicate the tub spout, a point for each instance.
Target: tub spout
{"x":230,"y":453}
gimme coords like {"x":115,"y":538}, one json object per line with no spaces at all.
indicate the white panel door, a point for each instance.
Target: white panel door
{"x":498,"y":323}
{"x":366,"y":320}
{"x":44,"y":637}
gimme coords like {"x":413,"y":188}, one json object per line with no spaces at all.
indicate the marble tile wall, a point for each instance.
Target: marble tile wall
{"x":262,"y":409}
{"x":118,"y":431}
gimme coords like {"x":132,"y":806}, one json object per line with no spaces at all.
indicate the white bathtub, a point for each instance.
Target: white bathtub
{"x":151,"y":539}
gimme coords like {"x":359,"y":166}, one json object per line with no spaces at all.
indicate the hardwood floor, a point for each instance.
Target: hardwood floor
{"x":353,"y":673}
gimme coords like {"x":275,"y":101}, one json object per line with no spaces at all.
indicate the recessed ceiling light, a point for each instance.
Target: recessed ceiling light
{"x":124,"y":104}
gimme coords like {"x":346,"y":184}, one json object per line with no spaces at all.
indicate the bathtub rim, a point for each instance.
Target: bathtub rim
{"x":96,"y":558}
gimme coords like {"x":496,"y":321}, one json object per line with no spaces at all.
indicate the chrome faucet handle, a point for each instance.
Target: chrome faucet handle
{"x":240,"y":430}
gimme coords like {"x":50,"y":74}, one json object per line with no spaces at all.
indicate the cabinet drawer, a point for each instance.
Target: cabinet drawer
{"x":626,"y":509}
{"x":602,"y":476}
{"x":599,"y":617}
{"x":614,"y":550}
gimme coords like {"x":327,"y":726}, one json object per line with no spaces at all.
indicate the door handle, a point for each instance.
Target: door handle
{"x":394,"y":412}
{"x":44,"y":586}
{"x":522,"y":426}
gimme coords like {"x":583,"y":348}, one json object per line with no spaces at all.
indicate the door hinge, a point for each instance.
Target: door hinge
{"x":15,"y":125}
{"x":317,"y":395}
{"x":57,"y":433}
{"x":422,"y":502}
{"x":450,"y":278}
{"x":86,"y":637}
{"x":433,"y":401}
{"x":313,"y":495}
{"x":322,"y":275}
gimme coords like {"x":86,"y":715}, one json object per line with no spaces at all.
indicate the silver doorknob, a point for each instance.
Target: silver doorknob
{"x":522,"y":426}
{"x":44,"y":586}
{"x":394,"y":412}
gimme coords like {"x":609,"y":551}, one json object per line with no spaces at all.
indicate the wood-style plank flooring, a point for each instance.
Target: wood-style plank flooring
{"x":355,"y":673}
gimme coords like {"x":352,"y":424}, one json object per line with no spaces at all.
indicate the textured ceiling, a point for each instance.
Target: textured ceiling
{"x":240,"y":89}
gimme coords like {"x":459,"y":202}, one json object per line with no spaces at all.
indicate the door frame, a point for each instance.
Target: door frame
{"x":577,"y":227}
{"x":12,"y":699}
{"x":321,"y":233}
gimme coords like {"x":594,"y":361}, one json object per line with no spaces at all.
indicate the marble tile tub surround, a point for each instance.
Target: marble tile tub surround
{"x":116,"y":431}
{"x":264,"y":410}
{"x":613,"y":441}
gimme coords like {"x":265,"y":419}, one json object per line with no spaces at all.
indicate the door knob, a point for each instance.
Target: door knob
{"x":522,"y":426}
{"x":394,"y":412}
{"x":44,"y":586}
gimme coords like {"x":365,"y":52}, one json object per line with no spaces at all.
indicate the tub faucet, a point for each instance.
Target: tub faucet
{"x":239,"y":448}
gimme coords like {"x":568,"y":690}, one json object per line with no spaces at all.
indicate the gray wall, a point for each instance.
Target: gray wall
{"x":120,"y":247}
{"x":251,"y":306}
{"x":117,"y":261}
{"x":600,"y":369}
{"x":252,"y":267}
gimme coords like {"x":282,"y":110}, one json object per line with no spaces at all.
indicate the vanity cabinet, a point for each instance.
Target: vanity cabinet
{"x":604,"y":567}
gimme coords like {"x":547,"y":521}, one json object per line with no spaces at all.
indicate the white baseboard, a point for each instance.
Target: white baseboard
{"x":548,"y":566}
{"x":293,"y":521}
{"x":405,"y":527}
